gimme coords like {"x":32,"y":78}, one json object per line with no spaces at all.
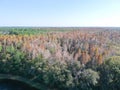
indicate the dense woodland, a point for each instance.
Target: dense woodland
{"x":63,"y":58}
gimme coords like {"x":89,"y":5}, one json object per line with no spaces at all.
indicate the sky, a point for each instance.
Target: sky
{"x":60,"y":13}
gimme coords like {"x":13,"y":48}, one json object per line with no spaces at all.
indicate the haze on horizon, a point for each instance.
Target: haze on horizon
{"x":55,"y":13}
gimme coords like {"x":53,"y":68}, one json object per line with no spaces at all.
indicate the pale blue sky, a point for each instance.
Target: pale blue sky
{"x":59,"y":13}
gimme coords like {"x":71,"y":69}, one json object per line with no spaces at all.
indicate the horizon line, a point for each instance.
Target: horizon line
{"x":63,"y":26}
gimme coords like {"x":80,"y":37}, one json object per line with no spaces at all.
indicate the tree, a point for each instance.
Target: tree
{"x":110,"y":74}
{"x":88,"y":79}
